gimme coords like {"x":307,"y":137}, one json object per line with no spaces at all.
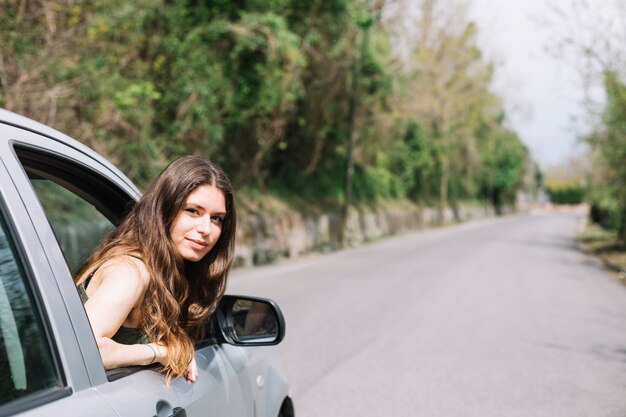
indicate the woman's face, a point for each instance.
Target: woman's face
{"x":198,"y":226}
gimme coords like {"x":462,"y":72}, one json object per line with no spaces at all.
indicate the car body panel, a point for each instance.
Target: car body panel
{"x":215,"y":393}
{"x":88,"y":402}
{"x":262,"y":369}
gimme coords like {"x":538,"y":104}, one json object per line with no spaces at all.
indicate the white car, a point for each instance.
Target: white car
{"x":57,"y":199}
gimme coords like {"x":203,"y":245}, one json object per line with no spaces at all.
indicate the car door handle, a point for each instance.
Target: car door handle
{"x":178,"y":412}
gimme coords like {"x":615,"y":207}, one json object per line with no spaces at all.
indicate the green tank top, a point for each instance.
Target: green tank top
{"x":125,"y":335}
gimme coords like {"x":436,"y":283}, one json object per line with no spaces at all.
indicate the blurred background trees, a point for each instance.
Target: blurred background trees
{"x":593,"y":41}
{"x":281,"y":93}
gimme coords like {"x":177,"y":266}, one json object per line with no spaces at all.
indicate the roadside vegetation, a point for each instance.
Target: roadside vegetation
{"x":593,"y":42}
{"x":606,"y":246}
{"x":317,"y":102}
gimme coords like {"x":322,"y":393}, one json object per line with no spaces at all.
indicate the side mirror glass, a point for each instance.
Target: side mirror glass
{"x":250,"y":321}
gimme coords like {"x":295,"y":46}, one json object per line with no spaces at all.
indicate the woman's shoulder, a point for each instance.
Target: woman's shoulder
{"x":126,"y":267}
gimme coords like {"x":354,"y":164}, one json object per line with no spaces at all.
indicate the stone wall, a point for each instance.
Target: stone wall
{"x":263,"y":238}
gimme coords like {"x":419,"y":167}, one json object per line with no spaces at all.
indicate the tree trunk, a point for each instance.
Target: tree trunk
{"x":622,"y":228}
{"x":353,"y":103}
{"x":443,"y":189}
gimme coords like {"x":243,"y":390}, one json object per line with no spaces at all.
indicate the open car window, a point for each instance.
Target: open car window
{"x":81,"y":205}
{"x":77,"y":225}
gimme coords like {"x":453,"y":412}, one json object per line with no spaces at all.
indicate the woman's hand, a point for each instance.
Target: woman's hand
{"x":191,"y":374}
{"x":192,"y":370}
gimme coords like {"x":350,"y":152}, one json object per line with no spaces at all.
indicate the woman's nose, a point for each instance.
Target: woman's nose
{"x":204,"y":225}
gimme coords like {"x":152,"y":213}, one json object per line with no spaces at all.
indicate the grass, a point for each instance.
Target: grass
{"x":604,"y":245}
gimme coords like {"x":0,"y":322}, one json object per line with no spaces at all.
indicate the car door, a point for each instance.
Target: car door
{"x":41,"y":367}
{"x":72,"y":197}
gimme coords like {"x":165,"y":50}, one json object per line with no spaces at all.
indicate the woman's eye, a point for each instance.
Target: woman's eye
{"x":218,"y":219}
{"x":191,"y":210}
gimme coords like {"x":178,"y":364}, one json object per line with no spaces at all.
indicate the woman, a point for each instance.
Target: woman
{"x":150,"y":285}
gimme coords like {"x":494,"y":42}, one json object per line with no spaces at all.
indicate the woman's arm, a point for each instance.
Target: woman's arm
{"x":117,"y":290}
{"x":116,"y":355}
{"x":118,"y":287}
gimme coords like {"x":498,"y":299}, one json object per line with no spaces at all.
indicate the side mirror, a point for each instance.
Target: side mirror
{"x":250,"y":321}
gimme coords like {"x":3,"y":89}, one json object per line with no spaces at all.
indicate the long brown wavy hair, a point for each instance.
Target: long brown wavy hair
{"x":181,"y":294}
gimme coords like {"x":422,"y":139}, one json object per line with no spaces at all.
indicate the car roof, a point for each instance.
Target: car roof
{"x":21,"y":122}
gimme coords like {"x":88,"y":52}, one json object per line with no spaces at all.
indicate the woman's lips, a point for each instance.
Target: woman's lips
{"x":198,"y":244}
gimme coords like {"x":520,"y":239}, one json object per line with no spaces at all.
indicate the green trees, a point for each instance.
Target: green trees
{"x":463,"y":150}
{"x":281,"y":93}
{"x":609,"y":144}
{"x":504,"y":163}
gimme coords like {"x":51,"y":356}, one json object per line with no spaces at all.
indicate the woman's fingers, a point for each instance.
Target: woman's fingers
{"x":192,"y":371}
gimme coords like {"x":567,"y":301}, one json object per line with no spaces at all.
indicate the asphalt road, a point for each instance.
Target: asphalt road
{"x":495,"y":318}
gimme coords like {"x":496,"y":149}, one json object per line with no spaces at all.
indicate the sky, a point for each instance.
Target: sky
{"x":543,"y":96}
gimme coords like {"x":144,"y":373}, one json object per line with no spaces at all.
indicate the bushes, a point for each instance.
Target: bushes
{"x":566,"y":193}
{"x":605,"y":210}
{"x":607,"y":216}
